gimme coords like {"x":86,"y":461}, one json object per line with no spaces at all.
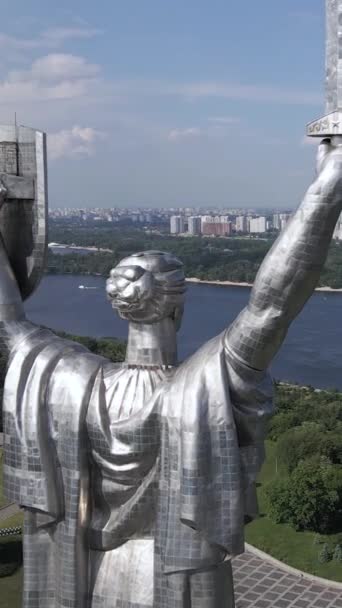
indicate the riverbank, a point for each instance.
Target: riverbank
{"x":232,"y":284}
{"x":91,"y":249}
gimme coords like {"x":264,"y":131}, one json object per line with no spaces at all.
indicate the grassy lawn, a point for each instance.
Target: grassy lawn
{"x":280,"y":540}
{"x":10,"y":586}
{"x":12,"y":522}
{"x":10,"y":590}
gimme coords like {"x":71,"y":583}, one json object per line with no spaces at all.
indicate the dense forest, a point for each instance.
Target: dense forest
{"x":307,"y":429}
{"x":223,"y":259}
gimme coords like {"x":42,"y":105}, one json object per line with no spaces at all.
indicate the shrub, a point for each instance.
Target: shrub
{"x":338,"y":553}
{"x":325,"y":554}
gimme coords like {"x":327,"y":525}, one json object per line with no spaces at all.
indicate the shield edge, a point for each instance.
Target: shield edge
{"x":38,"y":259}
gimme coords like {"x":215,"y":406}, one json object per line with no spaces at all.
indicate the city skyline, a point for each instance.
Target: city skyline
{"x":146,"y":104}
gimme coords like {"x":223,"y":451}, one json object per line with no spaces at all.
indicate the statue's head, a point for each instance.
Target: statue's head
{"x":148,"y":287}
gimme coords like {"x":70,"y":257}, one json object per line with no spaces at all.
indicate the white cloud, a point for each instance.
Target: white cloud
{"x":181,"y":134}
{"x":50,"y":38}
{"x":76,"y":142}
{"x":59,"y":66}
{"x":218,"y":126}
{"x":19,"y":93}
{"x":63,"y":75}
{"x":55,"y":76}
{"x":193,"y":91}
{"x":57,"y":35}
{"x":224,"y":120}
{"x":221,"y":131}
{"x":252,"y":92}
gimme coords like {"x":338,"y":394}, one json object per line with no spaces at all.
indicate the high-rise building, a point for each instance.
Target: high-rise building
{"x":226,"y":228}
{"x":257,"y":225}
{"x":194,"y":224}
{"x":276,"y":221}
{"x":216,"y":226}
{"x":176,"y":224}
{"x":205,"y":219}
{"x":241,"y":223}
{"x":280,"y":220}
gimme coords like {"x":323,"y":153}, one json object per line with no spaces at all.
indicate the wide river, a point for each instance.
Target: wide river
{"x":311,"y":354}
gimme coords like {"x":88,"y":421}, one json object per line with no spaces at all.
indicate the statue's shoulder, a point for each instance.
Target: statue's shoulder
{"x":205,"y":357}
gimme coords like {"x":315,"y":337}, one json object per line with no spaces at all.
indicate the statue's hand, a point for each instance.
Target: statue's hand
{"x":329,"y":168}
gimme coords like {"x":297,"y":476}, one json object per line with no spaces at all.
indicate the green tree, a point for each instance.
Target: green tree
{"x":281,"y":423}
{"x":300,"y":443}
{"x":278,"y":495}
{"x":310,"y":498}
{"x":110,"y":348}
{"x":313,"y":502}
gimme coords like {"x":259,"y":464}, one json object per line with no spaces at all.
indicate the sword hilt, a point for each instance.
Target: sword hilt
{"x":327,"y":126}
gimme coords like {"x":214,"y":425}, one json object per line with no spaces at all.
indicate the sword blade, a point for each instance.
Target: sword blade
{"x":333,"y":55}
{"x":331,"y":124}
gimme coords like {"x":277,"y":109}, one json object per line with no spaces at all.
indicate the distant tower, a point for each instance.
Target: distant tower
{"x":177,"y":224}
{"x":276,"y":221}
{"x":241,"y":223}
{"x":194,"y":223}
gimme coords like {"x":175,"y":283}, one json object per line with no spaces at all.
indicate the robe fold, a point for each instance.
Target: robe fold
{"x":46,"y":471}
{"x":120,"y":471}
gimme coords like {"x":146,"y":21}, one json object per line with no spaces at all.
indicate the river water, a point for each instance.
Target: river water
{"x":311,"y":354}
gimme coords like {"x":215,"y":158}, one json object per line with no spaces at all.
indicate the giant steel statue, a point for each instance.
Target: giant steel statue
{"x":136,"y":478}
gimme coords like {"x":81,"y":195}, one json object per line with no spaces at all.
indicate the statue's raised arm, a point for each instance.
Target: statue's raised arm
{"x":291,"y":270}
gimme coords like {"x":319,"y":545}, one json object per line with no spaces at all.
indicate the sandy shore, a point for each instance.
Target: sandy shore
{"x":232,"y":284}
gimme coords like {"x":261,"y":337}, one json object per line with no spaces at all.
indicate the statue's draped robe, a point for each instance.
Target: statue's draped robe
{"x":134,"y":482}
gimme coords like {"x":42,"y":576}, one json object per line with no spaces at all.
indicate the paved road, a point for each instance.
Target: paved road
{"x":259,"y":584}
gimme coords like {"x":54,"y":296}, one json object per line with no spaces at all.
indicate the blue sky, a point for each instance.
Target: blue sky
{"x":160,"y":103}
